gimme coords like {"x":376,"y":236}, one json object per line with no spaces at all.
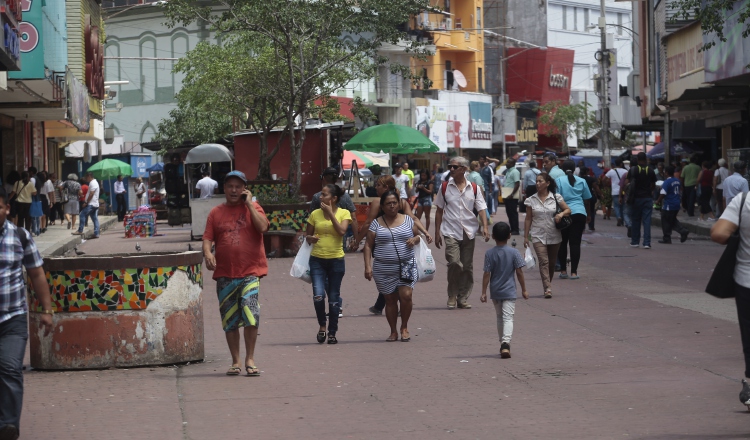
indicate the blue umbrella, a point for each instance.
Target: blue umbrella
{"x":156,"y":168}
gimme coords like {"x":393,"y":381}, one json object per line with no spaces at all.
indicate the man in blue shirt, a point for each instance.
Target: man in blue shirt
{"x":670,"y":197}
{"x":512,"y":180}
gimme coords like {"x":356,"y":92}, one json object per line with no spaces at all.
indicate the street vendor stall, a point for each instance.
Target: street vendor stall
{"x":199,"y":208}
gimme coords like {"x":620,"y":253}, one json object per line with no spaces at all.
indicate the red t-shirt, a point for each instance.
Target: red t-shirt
{"x":84,"y":190}
{"x":239,"y":246}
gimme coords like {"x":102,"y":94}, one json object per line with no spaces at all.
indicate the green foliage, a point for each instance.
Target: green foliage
{"x":363,"y":112}
{"x":309,"y":48}
{"x":560,"y":119}
{"x":712,"y":15}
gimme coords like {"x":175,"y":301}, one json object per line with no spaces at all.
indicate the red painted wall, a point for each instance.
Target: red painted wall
{"x":345,"y":105}
{"x":314,"y":158}
{"x":529,"y":74}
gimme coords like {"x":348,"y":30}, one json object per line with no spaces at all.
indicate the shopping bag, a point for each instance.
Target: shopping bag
{"x":530,"y":262}
{"x":425,"y":262}
{"x":301,"y":266}
{"x":36,"y":209}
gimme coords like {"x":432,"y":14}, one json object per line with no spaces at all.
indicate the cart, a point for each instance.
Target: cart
{"x":199,"y":208}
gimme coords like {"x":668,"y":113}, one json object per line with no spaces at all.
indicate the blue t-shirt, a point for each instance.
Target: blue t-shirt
{"x":574,"y":195}
{"x":501,"y":262}
{"x":671,"y":190}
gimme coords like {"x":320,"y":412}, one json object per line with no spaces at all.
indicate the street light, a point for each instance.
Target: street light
{"x":594,"y":26}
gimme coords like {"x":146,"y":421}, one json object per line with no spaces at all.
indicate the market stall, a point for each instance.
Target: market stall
{"x":199,"y":208}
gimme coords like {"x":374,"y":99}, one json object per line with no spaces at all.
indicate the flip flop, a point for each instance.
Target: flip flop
{"x":252,"y":370}
{"x":406,"y":339}
{"x":574,"y":277}
{"x":234,"y":371}
{"x":392,"y":339}
{"x":563,"y":276}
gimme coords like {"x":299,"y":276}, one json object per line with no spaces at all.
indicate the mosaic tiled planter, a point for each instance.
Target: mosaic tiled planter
{"x":121,"y":311}
{"x":289,"y":216}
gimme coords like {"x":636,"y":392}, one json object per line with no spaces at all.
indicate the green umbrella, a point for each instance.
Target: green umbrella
{"x":391,"y":138}
{"x":110,"y":168}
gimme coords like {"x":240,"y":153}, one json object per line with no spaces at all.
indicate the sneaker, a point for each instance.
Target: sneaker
{"x":683,"y":236}
{"x":665,"y":241}
{"x":9,"y":432}
{"x":634,"y":245}
{"x":375,"y":311}
{"x":463,"y":305}
{"x":451,"y":303}
{"x":745,"y":394}
{"x":629,"y":233}
{"x":505,"y":350}
{"x":341,"y":313}
{"x":76,"y":233}
{"x":646,"y":246}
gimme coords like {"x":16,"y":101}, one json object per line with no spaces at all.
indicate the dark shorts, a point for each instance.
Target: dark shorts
{"x":238,"y":302}
{"x":425,"y":201}
{"x":45,"y":203}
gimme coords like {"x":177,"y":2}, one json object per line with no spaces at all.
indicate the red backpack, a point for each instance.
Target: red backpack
{"x":444,"y":186}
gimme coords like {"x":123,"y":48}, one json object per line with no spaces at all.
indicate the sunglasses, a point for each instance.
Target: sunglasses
{"x":454,"y":167}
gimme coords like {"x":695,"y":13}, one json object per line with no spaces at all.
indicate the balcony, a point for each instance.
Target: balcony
{"x":120,"y":3}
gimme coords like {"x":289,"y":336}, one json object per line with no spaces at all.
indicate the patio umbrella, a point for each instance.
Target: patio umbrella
{"x":156,"y":168}
{"x":364,"y":159}
{"x":391,"y":138}
{"x":676,"y":148}
{"x":109,"y":168}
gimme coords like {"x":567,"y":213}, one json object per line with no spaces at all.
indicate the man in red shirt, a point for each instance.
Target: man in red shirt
{"x":236,"y":229}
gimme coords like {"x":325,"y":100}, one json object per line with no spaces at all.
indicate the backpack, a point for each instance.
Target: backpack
{"x":444,"y":186}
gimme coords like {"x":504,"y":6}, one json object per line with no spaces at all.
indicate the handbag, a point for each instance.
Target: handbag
{"x":406,"y":269}
{"x":566,"y":220}
{"x":36,"y":209}
{"x":722,"y":284}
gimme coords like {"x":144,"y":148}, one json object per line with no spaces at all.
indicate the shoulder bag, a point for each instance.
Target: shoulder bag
{"x":722,"y":284}
{"x":566,"y":220}
{"x":406,"y":268}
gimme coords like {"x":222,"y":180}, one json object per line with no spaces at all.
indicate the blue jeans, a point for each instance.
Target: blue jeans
{"x":327,"y":274}
{"x":488,"y":200}
{"x":13,"y":336}
{"x":93,"y":212}
{"x":641,"y":213}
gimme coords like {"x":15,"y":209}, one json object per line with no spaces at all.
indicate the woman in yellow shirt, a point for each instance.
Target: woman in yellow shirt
{"x":325,"y":231}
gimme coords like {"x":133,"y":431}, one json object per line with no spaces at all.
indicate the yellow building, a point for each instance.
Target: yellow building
{"x":455,"y":29}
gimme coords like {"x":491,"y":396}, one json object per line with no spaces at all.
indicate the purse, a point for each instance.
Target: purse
{"x":566,"y":221}
{"x":406,"y":269}
{"x":722,"y":284}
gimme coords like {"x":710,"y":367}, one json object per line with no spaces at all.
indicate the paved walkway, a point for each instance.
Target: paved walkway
{"x":631,"y":350}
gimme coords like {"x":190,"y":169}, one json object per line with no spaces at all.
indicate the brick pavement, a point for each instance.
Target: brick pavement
{"x":599,"y":361}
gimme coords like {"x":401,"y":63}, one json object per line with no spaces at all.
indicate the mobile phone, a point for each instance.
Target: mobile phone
{"x":244,"y":197}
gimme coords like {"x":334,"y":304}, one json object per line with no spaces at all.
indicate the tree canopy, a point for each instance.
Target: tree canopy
{"x":712,"y":15}
{"x":562,"y":119}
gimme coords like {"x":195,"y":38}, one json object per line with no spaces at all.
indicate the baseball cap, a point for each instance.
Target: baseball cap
{"x":238,"y":174}
{"x":685,"y":160}
{"x":330,"y":171}
{"x":396,"y":165}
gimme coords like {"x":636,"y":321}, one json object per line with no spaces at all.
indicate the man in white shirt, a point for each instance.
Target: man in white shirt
{"x":402,"y":181}
{"x":720,"y":175}
{"x":736,"y":183}
{"x":207,"y":186}
{"x":120,"y":192}
{"x":615,"y":175}
{"x":456,"y":221}
{"x":90,"y":206}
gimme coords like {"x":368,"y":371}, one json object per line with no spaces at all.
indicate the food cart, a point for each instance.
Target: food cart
{"x":199,"y":208}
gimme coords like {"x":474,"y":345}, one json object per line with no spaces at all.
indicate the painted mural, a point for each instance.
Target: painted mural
{"x":287,"y":219}
{"x":110,"y":290}
{"x":269,"y":192}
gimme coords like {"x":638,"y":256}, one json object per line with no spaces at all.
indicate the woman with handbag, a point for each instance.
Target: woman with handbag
{"x":325,"y":231}
{"x":140,"y":192}
{"x":71,"y":191}
{"x":23,"y":193}
{"x":575,"y":192}
{"x":545,"y":210}
{"x":393,"y":234}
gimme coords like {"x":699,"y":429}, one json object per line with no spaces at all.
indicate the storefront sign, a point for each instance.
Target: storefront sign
{"x":77,"y":102}
{"x":527,"y":126}
{"x":559,"y":81}
{"x":94,"y":59}
{"x":729,"y":58}
{"x":456,"y":120}
{"x":481,"y":120}
{"x":139,"y":165}
{"x":31,"y":42}
{"x":684,"y":61}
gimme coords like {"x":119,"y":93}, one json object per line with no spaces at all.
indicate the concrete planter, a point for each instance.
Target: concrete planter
{"x":121,"y":311}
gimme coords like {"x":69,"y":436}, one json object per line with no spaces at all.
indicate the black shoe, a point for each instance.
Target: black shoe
{"x":10,"y":432}
{"x":505,"y":350}
{"x":629,"y":233}
{"x":619,"y":222}
{"x":683,"y":236}
{"x":745,"y":394}
{"x":332,"y":339}
{"x":665,"y":241}
{"x":321,"y":337}
{"x":375,"y":311}
{"x":515,"y":233}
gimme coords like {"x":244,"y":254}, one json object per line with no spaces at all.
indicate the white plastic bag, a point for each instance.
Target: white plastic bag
{"x":530,"y":262}
{"x":425,"y":262}
{"x":301,"y":266}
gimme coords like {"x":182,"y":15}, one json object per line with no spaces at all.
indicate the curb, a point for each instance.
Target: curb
{"x":704,"y":231}
{"x":66,"y":244}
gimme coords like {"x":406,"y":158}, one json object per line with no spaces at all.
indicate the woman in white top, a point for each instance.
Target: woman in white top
{"x":540,"y":226}
{"x":141,"y":192}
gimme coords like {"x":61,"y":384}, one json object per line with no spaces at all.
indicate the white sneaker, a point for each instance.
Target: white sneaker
{"x":341,"y":313}
{"x":646,"y":247}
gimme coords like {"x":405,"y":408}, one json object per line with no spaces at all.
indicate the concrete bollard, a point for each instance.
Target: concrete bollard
{"x":121,"y":311}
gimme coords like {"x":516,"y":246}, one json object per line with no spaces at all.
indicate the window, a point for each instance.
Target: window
{"x":586,"y":19}
{"x":565,"y":17}
{"x":619,"y":23}
{"x":575,"y":19}
{"x":479,"y":18}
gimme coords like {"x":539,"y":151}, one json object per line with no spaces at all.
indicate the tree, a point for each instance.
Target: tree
{"x":315,"y":47}
{"x":712,"y":15}
{"x":562,"y":119}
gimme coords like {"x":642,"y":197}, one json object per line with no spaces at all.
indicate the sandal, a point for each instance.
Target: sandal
{"x":234,"y":371}
{"x":563,"y":276}
{"x":332,"y":339}
{"x":321,"y":337}
{"x":252,"y":370}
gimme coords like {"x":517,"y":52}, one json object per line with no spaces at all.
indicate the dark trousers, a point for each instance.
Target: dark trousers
{"x":742,"y":299}
{"x":56,"y":212}
{"x":705,"y":199}
{"x":327,"y":274}
{"x":24,"y":215}
{"x":670,"y":223}
{"x":511,"y":210}
{"x":688,"y":200}
{"x":641,"y":214}
{"x":572,"y":236}
{"x":121,"y":208}
{"x":592,"y":207}
{"x":528,"y":192}
{"x":13,"y":336}
{"x":380,"y":303}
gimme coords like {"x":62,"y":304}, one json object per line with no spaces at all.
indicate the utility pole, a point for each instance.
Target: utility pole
{"x":604,"y":89}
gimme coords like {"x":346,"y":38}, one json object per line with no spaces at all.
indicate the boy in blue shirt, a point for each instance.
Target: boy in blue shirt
{"x":670,"y":197}
{"x":500,"y":264}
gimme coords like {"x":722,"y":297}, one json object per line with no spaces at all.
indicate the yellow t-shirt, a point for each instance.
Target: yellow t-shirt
{"x":410,"y":175}
{"x":330,"y":244}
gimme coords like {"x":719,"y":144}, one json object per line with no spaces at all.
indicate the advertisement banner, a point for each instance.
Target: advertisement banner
{"x":527,"y":125}
{"x":432,"y":122}
{"x":77,"y":111}
{"x":457,"y":120}
{"x":729,"y":58}
{"x":480,"y":114}
{"x":139,"y":165}
{"x":32,"y":47}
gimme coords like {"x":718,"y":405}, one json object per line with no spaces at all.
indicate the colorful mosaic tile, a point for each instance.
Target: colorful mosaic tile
{"x":106,"y":290}
{"x":288,"y":219}
{"x":269,"y":191}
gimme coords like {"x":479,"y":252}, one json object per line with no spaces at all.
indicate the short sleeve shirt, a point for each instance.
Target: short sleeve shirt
{"x":94,"y":190}
{"x":690,"y":174}
{"x":574,"y":195}
{"x":722,"y":173}
{"x":643,"y":178}
{"x":671,"y":190}
{"x":239,"y":246}
{"x":501,"y":263}
{"x":24,"y":191}
{"x":13,"y":258}
{"x":614,"y":175}
{"x":330,"y":243}
{"x":543,"y":228}
{"x":512,"y":177}
{"x":344,"y":202}
{"x":731,"y":214}
{"x":401,"y":182}
{"x":207,"y":186}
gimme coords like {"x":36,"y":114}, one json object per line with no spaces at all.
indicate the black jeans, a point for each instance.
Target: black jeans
{"x":705,"y":199}
{"x":742,"y":299}
{"x":56,"y":212}
{"x":688,"y":200}
{"x":24,"y":215}
{"x":13,"y":337}
{"x":670,"y":223}
{"x":380,"y":303}
{"x":572,"y":235}
{"x":121,"y":208}
{"x":511,"y":210}
{"x":592,"y":203}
